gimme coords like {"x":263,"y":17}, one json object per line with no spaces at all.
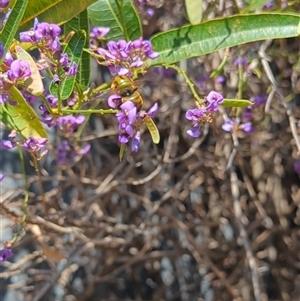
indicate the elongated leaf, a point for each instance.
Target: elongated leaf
{"x":21,"y":117}
{"x":81,"y":22}
{"x":210,"y":36}
{"x":238,"y":103}
{"x":11,"y":26}
{"x":34,"y":83}
{"x":194,"y":11}
{"x":153,"y":130}
{"x":52,"y":11}
{"x":125,"y":25}
{"x":74,"y":50}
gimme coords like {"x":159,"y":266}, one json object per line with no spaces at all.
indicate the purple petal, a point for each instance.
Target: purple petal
{"x":194,"y":131}
{"x":228,"y":125}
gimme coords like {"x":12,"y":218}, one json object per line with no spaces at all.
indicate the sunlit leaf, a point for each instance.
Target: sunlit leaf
{"x":21,"y":116}
{"x":11,"y":26}
{"x":194,"y":11}
{"x":190,"y":41}
{"x":34,"y":83}
{"x":52,"y":11}
{"x":239,"y":103}
{"x":124,"y":25}
{"x":153,"y":130}
{"x":81,"y":22}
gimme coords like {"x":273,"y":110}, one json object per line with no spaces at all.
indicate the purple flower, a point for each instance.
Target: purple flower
{"x":260,"y":99}
{"x":62,"y":152}
{"x":297,"y":167}
{"x":221,"y":79}
{"x":3,"y":98}
{"x":5,"y":254}
{"x":2,"y":176}
{"x":34,"y":144}
{"x":203,"y":114}
{"x":232,"y":125}
{"x":19,"y":69}
{"x":8,"y":59}
{"x":128,"y":113}
{"x":214,"y":99}
{"x":122,"y":57}
{"x":228,"y":125}
{"x":136,"y":141}
{"x":48,"y":30}
{"x":269,"y":5}
{"x":126,"y":118}
{"x":114,"y":101}
{"x":149,"y":13}
{"x":64,"y":60}
{"x":195,"y":114}
{"x":70,"y":122}
{"x":97,"y":33}
{"x":240,"y":61}
{"x":44,"y":34}
{"x":54,"y":45}
{"x":194,"y":131}
{"x":73,"y":69}
{"x":247,"y":113}
{"x":7,"y":144}
{"x":153,"y":111}
{"x":4,"y":3}
{"x":1,"y":50}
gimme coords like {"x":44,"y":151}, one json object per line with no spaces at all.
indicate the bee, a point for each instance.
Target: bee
{"x":126,"y":88}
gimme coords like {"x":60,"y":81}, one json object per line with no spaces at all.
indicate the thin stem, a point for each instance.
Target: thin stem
{"x":46,"y":103}
{"x":91,"y":111}
{"x":25,"y":204}
{"x":187,"y":80}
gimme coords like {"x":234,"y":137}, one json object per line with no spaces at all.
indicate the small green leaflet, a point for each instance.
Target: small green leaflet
{"x":21,"y":117}
{"x":152,"y":129}
{"x":238,"y":103}
{"x":74,"y":50}
{"x":34,"y":83}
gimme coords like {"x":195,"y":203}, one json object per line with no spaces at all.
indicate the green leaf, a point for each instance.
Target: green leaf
{"x":74,"y":50}
{"x":125,"y":25}
{"x":34,"y":83}
{"x":11,"y":26}
{"x":238,"y":103}
{"x":52,"y":11}
{"x":21,"y":117}
{"x":210,"y":36}
{"x":81,"y":22}
{"x":152,"y":129}
{"x":194,"y":11}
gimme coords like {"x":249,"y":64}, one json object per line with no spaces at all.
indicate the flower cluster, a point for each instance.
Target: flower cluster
{"x":44,"y":35}
{"x":123,"y":57}
{"x":203,"y":113}
{"x":13,"y":72}
{"x":66,"y":153}
{"x":5,"y":254}
{"x":34,"y":145}
{"x":130,"y":120}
